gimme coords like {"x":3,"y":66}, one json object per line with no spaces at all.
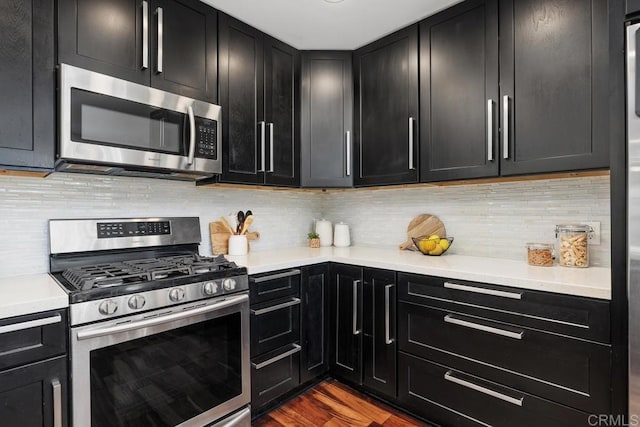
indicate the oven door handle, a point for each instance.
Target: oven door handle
{"x":101,"y":332}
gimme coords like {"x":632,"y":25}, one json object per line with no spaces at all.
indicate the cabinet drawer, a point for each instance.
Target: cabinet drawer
{"x":270,"y":286}
{"x":26,"y":339}
{"x":563,"y":314}
{"x":274,"y":374}
{"x":274,"y":325}
{"x":455,"y":398}
{"x":566,"y":370}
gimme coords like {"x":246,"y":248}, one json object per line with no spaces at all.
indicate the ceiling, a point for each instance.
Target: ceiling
{"x":317,"y":24}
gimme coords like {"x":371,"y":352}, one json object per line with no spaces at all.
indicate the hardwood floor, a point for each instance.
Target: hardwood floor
{"x":331,"y":403}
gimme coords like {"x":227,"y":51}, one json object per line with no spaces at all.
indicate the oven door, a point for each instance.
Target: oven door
{"x":181,"y":366}
{"x":109,"y":121}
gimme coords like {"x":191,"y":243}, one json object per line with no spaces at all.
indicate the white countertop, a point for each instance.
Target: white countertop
{"x":30,"y":294}
{"x":593,"y":282}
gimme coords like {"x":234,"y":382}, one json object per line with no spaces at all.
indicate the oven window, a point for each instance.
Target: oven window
{"x":167,"y":378}
{"x":106,"y":120}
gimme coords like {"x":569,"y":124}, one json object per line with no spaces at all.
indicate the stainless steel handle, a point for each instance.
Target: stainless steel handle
{"x":490,"y":130}
{"x":485,"y":291}
{"x":271,"y":143}
{"x":145,"y":34}
{"x":294,"y":272}
{"x":348,"y":154}
{"x":296,"y":348}
{"x":449,"y":377}
{"x":56,"y":389}
{"x":160,"y":17}
{"x":30,"y":324}
{"x":497,"y":331}
{"x":387,"y":316}
{"x":355,"y":307}
{"x":101,"y":332}
{"x":262,"y":146}
{"x":192,"y":135}
{"x":239,"y":419}
{"x":411,"y":120}
{"x":505,"y":126}
{"x":294,"y":301}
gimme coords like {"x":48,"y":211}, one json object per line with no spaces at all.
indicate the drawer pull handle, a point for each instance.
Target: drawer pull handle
{"x":485,"y":291}
{"x":515,"y":335}
{"x":56,"y":388}
{"x":449,"y":377}
{"x":30,"y":324}
{"x":296,"y":348}
{"x":275,"y":276}
{"x":294,"y":301}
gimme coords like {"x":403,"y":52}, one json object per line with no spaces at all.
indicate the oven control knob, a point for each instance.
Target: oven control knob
{"x":229,"y":284}
{"x":176,"y":294}
{"x":107,"y":307}
{"x":136,"y":302}
{"x":210,"y":288}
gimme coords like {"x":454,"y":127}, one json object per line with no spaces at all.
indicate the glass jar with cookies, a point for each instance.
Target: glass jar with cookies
{"x":573,"y":244}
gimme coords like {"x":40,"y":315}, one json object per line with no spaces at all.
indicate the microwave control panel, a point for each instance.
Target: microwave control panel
{"x":206,"y":138}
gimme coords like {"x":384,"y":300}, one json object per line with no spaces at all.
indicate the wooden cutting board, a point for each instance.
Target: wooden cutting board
{"x":423,"y":225}
{"x":220,"y":234}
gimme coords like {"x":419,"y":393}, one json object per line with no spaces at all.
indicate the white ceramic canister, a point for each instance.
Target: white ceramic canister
{"x":341,"y":237}
{"x":238,"y":245}
{"x":325,"y":231}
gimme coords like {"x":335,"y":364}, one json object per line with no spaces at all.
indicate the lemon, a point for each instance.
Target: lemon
{"x":444,"y":244}
{"x":437,"y":251}
{"x":427,"y":245}
{"x":434,"y":237}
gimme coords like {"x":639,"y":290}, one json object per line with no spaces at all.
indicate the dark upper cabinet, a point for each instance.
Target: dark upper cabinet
{"x":554,"y":98}
{"x":168,"y":44}
{"x":379,"y":331}
{"x":314,"y":292}
{"x":346,"y":322}
{"x":27,"y":84}
{"x":386,"y":110}
{"x":459,"y":92}
{"x":327,"y":119}
{"x":632,"y":6}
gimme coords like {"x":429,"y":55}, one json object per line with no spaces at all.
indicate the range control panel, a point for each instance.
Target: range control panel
{"x":108,"y":230}
{"x":206,"y":138}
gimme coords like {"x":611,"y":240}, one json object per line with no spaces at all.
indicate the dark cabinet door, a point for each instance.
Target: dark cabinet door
{"x":386,"y":110}
{"x":346,"y":322}
{"x":327,"y":116}
{"x":379,"y":326}
{"x":185,"y":48}
{"x":632,"y":6}
{"x":27,"y":84}
{"x":107,"y":36}
{"x":282,"y":113}
{"x":35,"y":395}
{"x":459,"y":92}
{"x":241,"y":68}
{"x":314,"y":358}
{"x":554,"y":85}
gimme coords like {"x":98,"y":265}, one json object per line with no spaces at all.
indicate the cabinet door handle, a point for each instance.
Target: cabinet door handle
{"x":145,"y":34}
{"x":31,"y":324}
{"x":262,"y":146}
{"x":505,"y":126}
{"x":160,"y":17}
{"x":294,"y":301}
{"x":282,"y":275}
{"x":348,"y":152}
{"x":411,"y":126}
{"x":56,"y":389}
{"x":490,"y":130}
{"x":271,"y":143}
{"x":192,"y":135}
{"x":356,"y":331}
{"x":387,"y":316}
{"x":296,"y":348}
{"x":484,"y":291}
{"x":496,"y":331}
{"x":514,"y":401}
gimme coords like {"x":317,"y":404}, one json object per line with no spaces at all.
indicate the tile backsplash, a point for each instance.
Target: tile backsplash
{"x":493,"y":220}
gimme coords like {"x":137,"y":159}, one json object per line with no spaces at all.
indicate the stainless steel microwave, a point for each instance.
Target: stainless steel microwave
{"x":115,"y":127}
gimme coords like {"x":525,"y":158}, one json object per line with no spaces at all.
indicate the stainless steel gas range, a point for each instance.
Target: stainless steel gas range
{"x":159,"y":334}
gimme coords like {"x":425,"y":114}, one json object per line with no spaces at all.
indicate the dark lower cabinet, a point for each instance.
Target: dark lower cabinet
{"x":27,"y":84}
{"x":314,"y":358}
{"x":274,"y":374}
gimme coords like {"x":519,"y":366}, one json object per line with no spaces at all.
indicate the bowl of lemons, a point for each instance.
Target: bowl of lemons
{"x":433,"y":245}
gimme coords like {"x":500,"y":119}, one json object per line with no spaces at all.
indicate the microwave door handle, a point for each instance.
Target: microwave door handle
{"x":192,"y":135}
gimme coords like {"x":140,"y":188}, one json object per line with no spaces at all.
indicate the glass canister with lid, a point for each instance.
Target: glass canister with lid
{"x":573,"y":244}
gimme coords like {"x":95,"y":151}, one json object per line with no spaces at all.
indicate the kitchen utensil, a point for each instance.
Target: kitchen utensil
{"x":232,"y":219}
{"x":341,"y":237}
{"x":246,"y":224}
{"x":238,"y":245}
{"x":423,"y":225}
{"x":433,"y":247}
{"x":227,"y":225}
{"x":325,"y":231}
{"x":241,"y":218}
